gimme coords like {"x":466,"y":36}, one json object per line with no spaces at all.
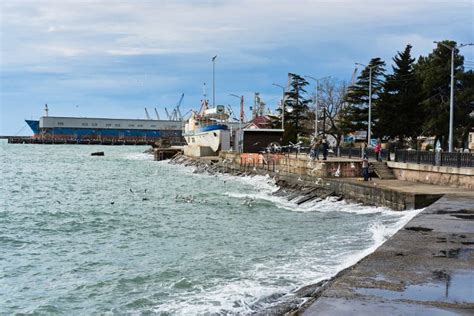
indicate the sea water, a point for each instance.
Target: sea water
{"x":82,"y":234}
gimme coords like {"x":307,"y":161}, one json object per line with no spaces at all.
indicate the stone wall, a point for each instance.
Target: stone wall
{"x":298,"y":165}
{"x":439,"y":175}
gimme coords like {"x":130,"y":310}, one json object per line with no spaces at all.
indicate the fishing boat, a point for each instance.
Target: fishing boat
{"x":208,"y":128}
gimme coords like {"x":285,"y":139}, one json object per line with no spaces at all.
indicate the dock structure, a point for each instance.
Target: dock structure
{"x":164,"y":153}
{"x":60,"y":141}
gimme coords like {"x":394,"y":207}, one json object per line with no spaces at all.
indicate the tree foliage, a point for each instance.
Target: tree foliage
{"x":399,"y":111}
{"x":356,"y":115}
{"x":331,"y":102}
{"x":434,"y":72}
{"x":296,"y":109}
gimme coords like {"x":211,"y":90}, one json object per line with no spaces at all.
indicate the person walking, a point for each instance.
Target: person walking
{"x":365,"y":168}
{"x":378,"y":150}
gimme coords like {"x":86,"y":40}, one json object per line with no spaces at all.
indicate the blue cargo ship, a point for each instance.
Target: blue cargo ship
{"x":77,"y":129}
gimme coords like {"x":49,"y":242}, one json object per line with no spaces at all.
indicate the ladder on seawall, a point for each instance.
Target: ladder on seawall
{"x":382,"y":170}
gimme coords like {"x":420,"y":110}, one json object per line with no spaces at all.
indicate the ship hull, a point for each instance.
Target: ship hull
{"x":214,"y":138}
{"x":47,"y":128}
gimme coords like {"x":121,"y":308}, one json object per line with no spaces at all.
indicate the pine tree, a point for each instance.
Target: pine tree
{"x":356,"y":115}
{"x":400,"y":114}
{"x":295,"y":120}
{"x":434,"y":72}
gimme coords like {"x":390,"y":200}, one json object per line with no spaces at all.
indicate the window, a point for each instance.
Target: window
{"x":94,"y":124}
{"x":85,"y":124}
{"x":152,"y":125}
{"x":131,"y":125}
{"x":108,"y":125}
{"x":139,"y":125}
{"x":60,"y":123}
{"x":117,"y":125}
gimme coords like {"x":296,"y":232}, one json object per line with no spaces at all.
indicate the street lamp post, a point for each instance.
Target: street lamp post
{"x":369,"y":125}
{"x":214,"y":81}
{"x":317,"y":103}
{"x":241,"y":98}
{"x":451,"y":96}
{"x":282,"y":105}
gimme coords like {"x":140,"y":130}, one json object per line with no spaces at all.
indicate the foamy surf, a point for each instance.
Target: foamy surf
{"x":274,"y":279}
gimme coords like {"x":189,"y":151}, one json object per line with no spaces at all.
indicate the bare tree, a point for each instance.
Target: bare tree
{"x":331,"y":101}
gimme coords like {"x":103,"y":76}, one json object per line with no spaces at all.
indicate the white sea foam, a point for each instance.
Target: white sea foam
{"x":139,"y":156}
{"x":306,"y":265}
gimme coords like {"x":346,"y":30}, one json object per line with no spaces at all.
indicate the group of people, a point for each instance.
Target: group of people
{"x":319,"y":145}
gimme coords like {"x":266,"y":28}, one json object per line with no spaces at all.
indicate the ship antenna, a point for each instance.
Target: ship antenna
{"x":46,"y":110}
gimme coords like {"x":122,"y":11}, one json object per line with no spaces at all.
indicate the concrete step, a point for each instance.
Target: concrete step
{"x":382,"y":170}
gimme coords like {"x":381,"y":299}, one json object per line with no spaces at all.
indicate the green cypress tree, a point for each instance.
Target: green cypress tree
{"x":356,"y":115}
{"x":400,"y":114}
{"x":434,"y":72}
{"x":295,"y":99}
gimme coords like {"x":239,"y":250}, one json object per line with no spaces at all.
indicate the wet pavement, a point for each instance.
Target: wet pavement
{"x":427,"y":268}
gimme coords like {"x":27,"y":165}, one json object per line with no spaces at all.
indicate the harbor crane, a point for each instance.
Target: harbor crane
{"x":147,"y":115}
{"x":176,"y":113}
{"x":157,"y":115}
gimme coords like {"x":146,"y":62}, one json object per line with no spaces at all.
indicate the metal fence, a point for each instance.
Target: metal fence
{"x":439,"y":158}
{"x":454,"y":159}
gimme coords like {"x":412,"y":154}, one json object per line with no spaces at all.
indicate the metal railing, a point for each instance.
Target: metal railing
{"x":454,"y":159}
{"x":438,"y":158}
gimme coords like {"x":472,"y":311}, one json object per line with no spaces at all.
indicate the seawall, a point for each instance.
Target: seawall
{"x":341,"y":176}
{"x":425,"y":268}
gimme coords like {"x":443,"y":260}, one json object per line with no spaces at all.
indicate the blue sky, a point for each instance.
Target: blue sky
{"x":114,"y":58}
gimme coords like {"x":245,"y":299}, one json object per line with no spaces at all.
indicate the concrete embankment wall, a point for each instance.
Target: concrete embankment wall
{"x":303,"y":172}
{"x":298,"y":165}
{"x":375,"y":195}
{"x":439,"y":175}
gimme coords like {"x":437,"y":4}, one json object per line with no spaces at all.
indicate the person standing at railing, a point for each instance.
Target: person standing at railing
{"x":365,"y":168}
{"x":378,"y":150}
{"x":314,"y":153}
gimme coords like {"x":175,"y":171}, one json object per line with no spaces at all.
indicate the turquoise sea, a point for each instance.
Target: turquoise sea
{"x":123,"y":234}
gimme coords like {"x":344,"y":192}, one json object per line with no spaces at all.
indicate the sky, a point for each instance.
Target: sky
{"x":114,"y":58}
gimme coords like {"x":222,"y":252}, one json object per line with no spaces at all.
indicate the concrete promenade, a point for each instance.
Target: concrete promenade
{"x":427,"y":268}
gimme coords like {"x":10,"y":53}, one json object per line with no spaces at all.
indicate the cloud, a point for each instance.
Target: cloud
{"x":94,"y":51}
{"x":72,"y":28}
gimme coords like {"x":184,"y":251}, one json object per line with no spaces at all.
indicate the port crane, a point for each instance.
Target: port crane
{"x":176,"y":113}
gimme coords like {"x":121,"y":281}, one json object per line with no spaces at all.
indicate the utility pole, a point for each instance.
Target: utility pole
{"x":317,"y":104}
{"x":214,"y":81}
{"x":369,"y":123}
{"x":451,"y":96}
{"x":241,"y":119}
{"x":282,"y":105}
